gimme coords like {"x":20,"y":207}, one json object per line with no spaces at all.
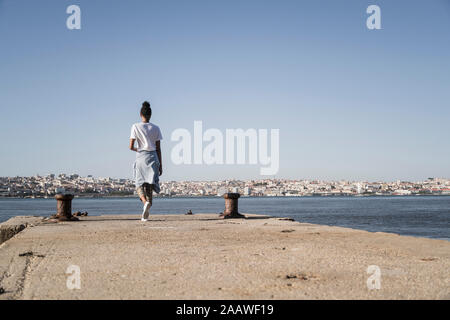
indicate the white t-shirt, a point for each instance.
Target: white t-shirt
{"x":146,"y":135}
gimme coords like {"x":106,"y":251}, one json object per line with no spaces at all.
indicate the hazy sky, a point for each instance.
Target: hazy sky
{"x":350,"y":103}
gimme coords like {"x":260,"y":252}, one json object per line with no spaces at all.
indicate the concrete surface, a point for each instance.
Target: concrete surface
{"x":203,"y":257}
{"x":10,"y":228}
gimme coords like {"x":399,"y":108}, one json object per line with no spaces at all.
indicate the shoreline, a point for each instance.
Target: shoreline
{"x":261,"y":257}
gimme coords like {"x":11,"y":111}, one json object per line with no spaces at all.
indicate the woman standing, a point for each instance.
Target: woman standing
{"x":148,"y":164}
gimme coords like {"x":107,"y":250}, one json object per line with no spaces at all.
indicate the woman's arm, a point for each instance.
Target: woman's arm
{"x":132,"y":148}
{"x":158,"y":151}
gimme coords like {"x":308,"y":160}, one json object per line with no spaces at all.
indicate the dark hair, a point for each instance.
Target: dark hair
{"x":146,"y":111}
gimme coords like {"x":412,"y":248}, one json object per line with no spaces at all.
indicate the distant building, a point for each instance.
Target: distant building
{"x":221,"y":191}
{"x":60,"y":190}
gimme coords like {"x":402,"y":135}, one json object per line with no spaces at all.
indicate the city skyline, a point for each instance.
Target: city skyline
{"x":349,"y":102}
{"x":67,"y":174}
{"x":50,"y":185}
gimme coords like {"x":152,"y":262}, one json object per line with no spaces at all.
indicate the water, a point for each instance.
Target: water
{"x":426,"y":216}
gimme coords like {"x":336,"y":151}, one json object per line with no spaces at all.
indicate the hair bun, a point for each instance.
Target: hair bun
{"x":146,"y":111}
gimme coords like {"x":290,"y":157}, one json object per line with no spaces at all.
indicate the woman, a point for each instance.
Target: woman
{"x":148,"y":164}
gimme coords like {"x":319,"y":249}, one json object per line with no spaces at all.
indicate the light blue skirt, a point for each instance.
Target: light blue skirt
{"x":146,"y":169}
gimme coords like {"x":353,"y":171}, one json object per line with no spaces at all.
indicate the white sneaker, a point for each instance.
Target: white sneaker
{"x":145,"y":211}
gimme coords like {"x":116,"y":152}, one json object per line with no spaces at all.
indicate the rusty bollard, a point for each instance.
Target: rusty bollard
{"x":64,"y":207}
{"x":231,"y":206}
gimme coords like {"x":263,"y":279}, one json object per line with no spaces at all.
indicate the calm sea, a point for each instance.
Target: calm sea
{"x":426,"y":216}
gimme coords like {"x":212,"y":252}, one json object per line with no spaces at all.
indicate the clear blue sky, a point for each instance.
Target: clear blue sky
{"x":350,"y":103}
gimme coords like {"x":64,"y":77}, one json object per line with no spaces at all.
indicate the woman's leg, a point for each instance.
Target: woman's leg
{"x":141,"y":191}
{"x":148,"y":189}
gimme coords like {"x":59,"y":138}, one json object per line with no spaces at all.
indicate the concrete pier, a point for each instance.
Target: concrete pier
{"x":204,"y":257}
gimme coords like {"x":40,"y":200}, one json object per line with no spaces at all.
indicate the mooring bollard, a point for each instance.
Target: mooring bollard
{"x":64,"y":207}
{"x":231,"y":206}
